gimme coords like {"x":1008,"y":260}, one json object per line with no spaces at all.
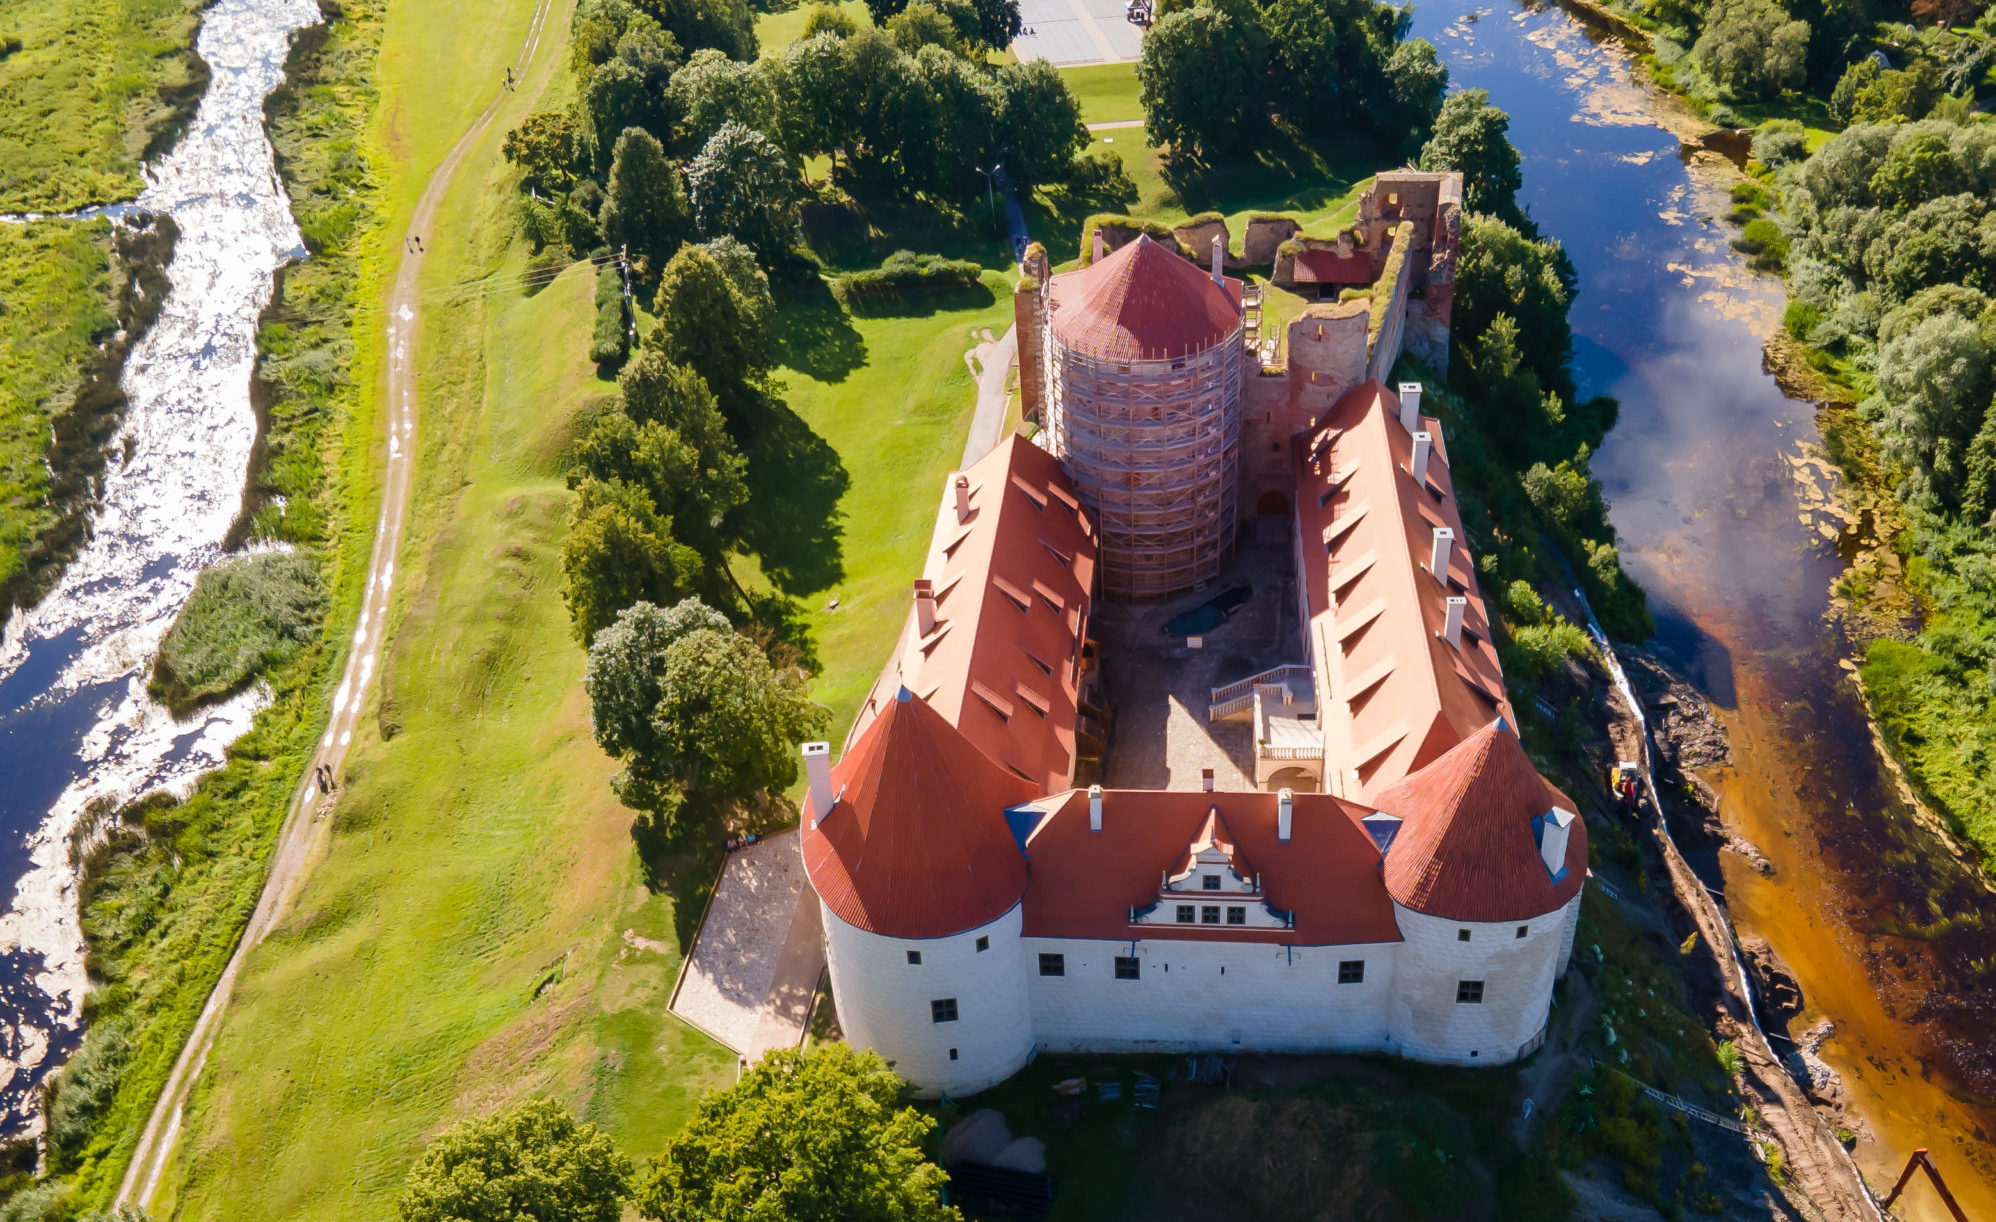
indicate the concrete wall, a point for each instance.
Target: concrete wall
{"x":1210,"y":995}
{"x":883,"y":1002}
{"x":1517,"y":975}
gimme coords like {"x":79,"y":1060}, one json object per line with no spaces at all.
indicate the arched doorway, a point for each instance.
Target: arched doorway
{"x":1271,"y":505}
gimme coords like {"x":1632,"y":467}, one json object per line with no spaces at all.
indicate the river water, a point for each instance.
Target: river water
{"x":1722,"y":503}
{"x":75,"y":722}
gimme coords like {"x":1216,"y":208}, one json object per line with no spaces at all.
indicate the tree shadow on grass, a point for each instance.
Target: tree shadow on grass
{"x":1285,"y":172}
{"x":813,"y":334}
{"x":792,"y":520}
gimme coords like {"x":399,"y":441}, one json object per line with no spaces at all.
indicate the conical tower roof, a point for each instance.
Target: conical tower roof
{"x":1143,"y":303}
{"x":916,"y":844}
{"x":1466,"y":849}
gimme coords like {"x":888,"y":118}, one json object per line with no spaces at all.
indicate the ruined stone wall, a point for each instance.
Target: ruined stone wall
{"x":1327,"y":357}
{"x":1197,"y":235}
{"x":1029,"y":311}
{"x":1430,"y":316}
{"x":1263,"y":239}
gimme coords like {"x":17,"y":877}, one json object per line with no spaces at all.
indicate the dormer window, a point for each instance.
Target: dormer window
{"x":1210,"y":882}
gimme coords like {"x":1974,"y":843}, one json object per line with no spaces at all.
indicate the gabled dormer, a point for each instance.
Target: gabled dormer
{"x":1212,"y":886}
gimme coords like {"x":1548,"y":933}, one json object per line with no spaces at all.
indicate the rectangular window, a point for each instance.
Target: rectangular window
{"x":1209,"y":914}
{"x":1351,"y":971}
{"x":1053,"y":965}
{"x":1185,"y":914}
{"x":1469,"y":992}
{"x":1127,"y":968}
{"x":1462,"y":935}
{"x":1210,"y":882}
{"x":1236,"y":916}
{"x":952,"y":1054}
{"x":914,"y":958}
{"x":943,"y":1010}
{"x":983,"y":944}
{"x":1523,"y":930}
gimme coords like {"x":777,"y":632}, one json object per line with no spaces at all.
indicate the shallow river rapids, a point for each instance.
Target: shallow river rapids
{"x":1724,"y":508}
{"x":75,"y":722}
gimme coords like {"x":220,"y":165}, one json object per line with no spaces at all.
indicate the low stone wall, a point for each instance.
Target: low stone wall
{"x":1263,"y":239}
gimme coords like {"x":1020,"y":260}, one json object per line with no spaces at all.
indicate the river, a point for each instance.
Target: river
{"x":75,"y":722}
{"x":1723,"y":507}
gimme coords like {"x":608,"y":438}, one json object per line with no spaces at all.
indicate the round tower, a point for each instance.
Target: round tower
{"x":1145,"y":360}
{"x":919,"y":881}
{"x":1485,"y":876}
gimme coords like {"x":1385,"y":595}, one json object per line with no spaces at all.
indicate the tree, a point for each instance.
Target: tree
{"x":1500,"y":271}
{"x":1200,"y":77}
{"x":724,"y":24}
{"x":705,"y":320}
{"x":1752,"y":50}
{"x":1040,"y":122}
{"x":1330,"y":56}
{"x":693,"y":709}
{"x":1934,"y":386}
{"x":1843,"y":99}
{"x":530,"y":1163}
{"x":1950,"y":240}
{"x":923,"y":24}
{"x":998,"y":22}
{"x":547,"y":146}
{"x":1404,"y":113}
{"x":957,"y":134}
{"x":829,"y":19}
{"x":1780,"y":142}
{"x":815,"y":96}
{"x":711,"y":89}
{"x":742,"y":184}
{"x":671,"y":440}
{"x":620,"y":552}
{"x":645,"y":205}
{"x":630,"y":89}
{"x":820,"y":1134}
{"x":1470,"y":136}
{"x":1918,"y":167}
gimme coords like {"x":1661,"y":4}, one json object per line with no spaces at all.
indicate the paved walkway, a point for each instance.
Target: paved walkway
{"x":756,"y":961}
{"x":1115,"y":125}
{"x":992,"y":361}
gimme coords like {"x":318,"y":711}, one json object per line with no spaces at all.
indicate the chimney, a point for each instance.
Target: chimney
{"x":1219,"y":260}
{"x":1438,"y":557}
{"x":1285,"y":813}
{"x":1206,"y":779}
{"x":1424,"y":444}
{"x":1552,"y":839}
{"x":1452,"y":626}
{"x":818,"y":770}
{"x":962,"y":486}
{"x":1097,"y":256}
{"x":1094,"y":808}
{"x":925,"y":606}
{"x":1410,"y":405}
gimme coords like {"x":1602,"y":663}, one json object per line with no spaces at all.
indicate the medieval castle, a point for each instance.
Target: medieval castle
{"x":1400,"y":878}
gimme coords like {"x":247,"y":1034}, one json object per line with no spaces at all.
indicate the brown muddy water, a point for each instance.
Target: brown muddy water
{"x":1726,"y":514}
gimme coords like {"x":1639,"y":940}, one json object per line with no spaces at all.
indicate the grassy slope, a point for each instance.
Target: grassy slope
{"x":55,"y":287}
{"x":93,"y":85}
{"x":1108,"y":93}
{"x":777,"y":30}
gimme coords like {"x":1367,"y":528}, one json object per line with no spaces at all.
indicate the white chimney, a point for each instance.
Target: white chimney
{"x":1285,"y":813}
{"x":1552,"y":841}
{"x":1206,"y":779}
{"x":1438,"y":557}
{"x":818,"y":770}
{"x":962,"y":486}
{"x":1094,"y":808}
{"x":925,"y":606}
{"x":1452,"y":626}
{"x":1410,"y":405}
{"x":1219,"y":260}
{"x":1097,"y":256}
{"x":1424,"y":444}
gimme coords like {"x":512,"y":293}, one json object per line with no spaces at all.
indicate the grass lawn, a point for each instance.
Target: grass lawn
{"x":55,"y":288}
{"x":94,"y":86}
{"x":777,"y":29}
{"x":1107,"y":92}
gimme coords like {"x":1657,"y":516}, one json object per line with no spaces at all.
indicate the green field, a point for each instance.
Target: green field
{"x":95,"y":86}
{"x":1108,"y":93}
{"x":55,"y":289}
{"x":778,"y":28}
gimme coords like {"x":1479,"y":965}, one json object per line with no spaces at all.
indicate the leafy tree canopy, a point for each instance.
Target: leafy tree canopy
{"x":644,"y":206}
{"x":743,"y":185}
{"x":531,"y":1163}
{"x":712,"y":323}
{"x":1200,"y":79}
{"x":1470,"y":136}
{"x":712,"y":89}
{"x":1752,"y":50}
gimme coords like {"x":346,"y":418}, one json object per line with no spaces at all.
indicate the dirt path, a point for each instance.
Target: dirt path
{"x":302,"y":821}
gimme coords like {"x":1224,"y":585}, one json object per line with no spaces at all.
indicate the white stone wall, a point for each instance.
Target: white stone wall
{"x":1566,"y":935}
{"x":1517,"y":974}
{"x":1267,"y":998}
{"x":883,"y":1002}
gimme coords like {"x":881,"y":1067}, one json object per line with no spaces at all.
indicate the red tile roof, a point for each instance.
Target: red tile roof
{"x":1012,"y":586}
{"x":1329,"y":267}
{"x":1466,"y":849}
{"x":1393,"y":693}
{"x":1143,"y":303}
{"x":1085,"y":883}
{"x":916,"y":844}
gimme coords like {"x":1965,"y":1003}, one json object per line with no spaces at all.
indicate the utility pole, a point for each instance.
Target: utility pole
{"x":630,"y":308}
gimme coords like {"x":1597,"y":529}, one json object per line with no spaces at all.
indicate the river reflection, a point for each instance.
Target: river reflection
{"x":1717,"y":489}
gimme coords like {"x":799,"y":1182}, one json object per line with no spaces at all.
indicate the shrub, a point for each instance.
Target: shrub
{"x":611,"y":342}
{"x":1536,"y":650}
{"x":1098,"y":173}
{"x":906,"y":274}
{"x":1780,"y":141}
{"x":245,"y":617}
{"x":1730,"y":1059}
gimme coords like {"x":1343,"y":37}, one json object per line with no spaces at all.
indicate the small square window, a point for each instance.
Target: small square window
{"x":1523,"y":930}
{"x":914,"y":958}
{"x":1210,"y":882}
{"x":943,"y":1010}
{"x":952,"y":1054}
{"x":1209,"y":914}
{"x":1236,"y":916}
{"x":1186,"y":914}
{"x":983,"y":944}
{"x":1462,"y":935}
{"x":1469,"y":992}
{"x":1127,"y":968}
{"x":1351,"y":971}
{"x":1053,"y":965}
